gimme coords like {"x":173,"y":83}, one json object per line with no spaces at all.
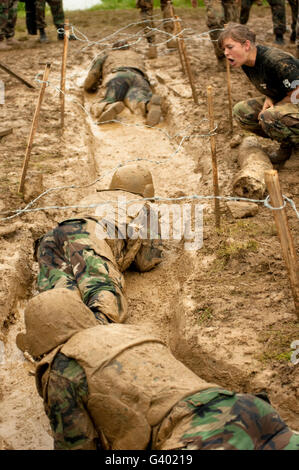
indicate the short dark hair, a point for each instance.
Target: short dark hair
{"x":238,"y":32}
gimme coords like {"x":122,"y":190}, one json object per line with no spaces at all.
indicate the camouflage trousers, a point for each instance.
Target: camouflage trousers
{"x":56,"y":10}
{"x":66,"y":260}
{"x":147,"y":11}
{"x":294,"y":11}
{"x":218,"y":13}
{"x":227,"y":420}
{"x":216,"y":418}
{"x":130,"y":86}
{"x":8,"y":18}
{"x":278,"y":14}
{"x":280,"y":122}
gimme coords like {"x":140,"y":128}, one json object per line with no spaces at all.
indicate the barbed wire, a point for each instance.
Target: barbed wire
{"x":265,"y":202}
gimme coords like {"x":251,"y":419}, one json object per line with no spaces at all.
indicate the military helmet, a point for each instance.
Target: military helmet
{"x":135,"y":179}
{"x":51,"y":318}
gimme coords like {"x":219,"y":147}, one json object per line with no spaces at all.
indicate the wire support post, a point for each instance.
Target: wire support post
{"x":34,"y":127}
{"x":186,"y":58}
{"x":213,"y":155}
{"x":63,"y":72}
{"x":284,"y":234}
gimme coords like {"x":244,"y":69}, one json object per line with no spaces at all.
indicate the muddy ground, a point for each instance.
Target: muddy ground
{"x":226,"y":309}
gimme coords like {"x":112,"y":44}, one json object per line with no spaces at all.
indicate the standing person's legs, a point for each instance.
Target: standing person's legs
{"x":215,"y":21}
{"x":245,"y":10}
{"x":279,"y":19}
{"x":58,"y":16}
{"x":40,"y":12}
{"x":12,"y":18}
{"x":168,"y":24}
{"x":40,"y":9}
{"x":3,"y":18}
{"x":231,"y":11}
{"x":294,"y":9}
{"x":146,"y":13}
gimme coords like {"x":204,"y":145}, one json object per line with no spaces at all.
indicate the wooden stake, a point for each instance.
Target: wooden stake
{"x":175,"y":32}
{"x":33,"y":127}
{"x":213,"y":153}
{"x":176,"y":29}
{"x":189,"y":71}
{"x":14,"y":74}
{"x":230,"y":107}
{"x":63,"y":71}
{"x":285,"y":236}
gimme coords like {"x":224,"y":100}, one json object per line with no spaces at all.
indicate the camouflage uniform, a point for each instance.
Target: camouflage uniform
{"x":8,"y":18}
{"x":56,"y":10}
{"x":294,"y":9}
{"x":73,"y":257}
{"x":214,"y":418}
{"x":218,"y":13}
{"x":278,"y":14}
{"x":123,"y":74}
{"x":272,"y":75}
{"x":147,"y":10}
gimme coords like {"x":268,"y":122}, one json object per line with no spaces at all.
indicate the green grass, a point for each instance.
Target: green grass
{"x":126,"y":4}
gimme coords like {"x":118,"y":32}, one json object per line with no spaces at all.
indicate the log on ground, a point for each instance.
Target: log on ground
{"x":249,"y":181}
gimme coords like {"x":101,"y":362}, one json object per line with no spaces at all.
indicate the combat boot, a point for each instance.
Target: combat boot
{"x":42,"y":35}
{"x":283,"y":153}
{"x":60,"y":36}
{"x":279,"y":39}
{"x":4,"y":46}
{"x":293,"y":36}
{"x":154,"y":111}
{"x":111,"y":111}
{"x":12,"y":42}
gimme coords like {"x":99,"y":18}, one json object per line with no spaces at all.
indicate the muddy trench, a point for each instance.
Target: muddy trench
{"x":212,"y":307}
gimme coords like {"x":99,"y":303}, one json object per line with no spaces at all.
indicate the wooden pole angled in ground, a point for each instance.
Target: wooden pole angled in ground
{"x":176,"y":27}
{"x":230,"y":106}
{"x":14,"y":74}
{"x":188,"y":67}
{"x":229,"y":94}
{"x":213,"y":154}
{"x":34,"y":127}
{"x":284,"y":234}
{"x":63,"y":71}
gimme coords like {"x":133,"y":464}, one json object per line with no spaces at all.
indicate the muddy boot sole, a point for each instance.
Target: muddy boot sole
{"x":154,"y":115}
{"x":112,"y":111}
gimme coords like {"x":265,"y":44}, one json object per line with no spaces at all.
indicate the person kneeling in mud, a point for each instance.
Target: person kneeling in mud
{"x":275,"y":74}
{"x":122,"y":72}
{"x":118,"y":387}
{"x":89,"y":253}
